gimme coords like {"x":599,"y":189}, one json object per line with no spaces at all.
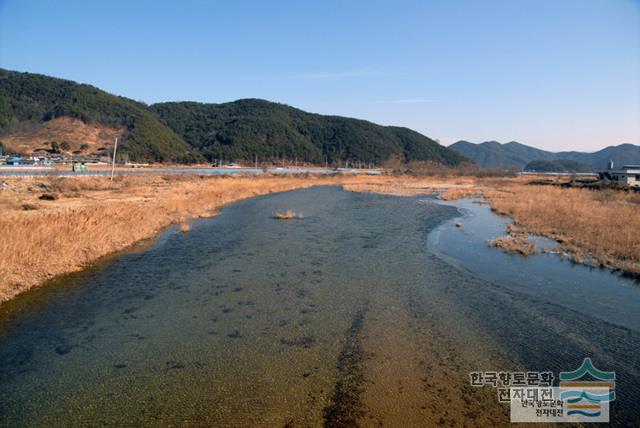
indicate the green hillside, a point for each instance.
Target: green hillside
{"x":560,"y":165}
{"x":241,"y":129}
{"x":623,"y":154}
{"x":492,"y":154}
{"x":188,"y":132}
{"x":33,"y":99}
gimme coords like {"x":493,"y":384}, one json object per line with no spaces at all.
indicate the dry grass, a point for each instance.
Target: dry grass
{"x":288,"y":215}
{"x":516,"y":242}
{"x":73,"y":131}
{"x":94,"y":217}
{"x":412,"y":186}
{"x":590,"y":224}
{"x":514,"y":245}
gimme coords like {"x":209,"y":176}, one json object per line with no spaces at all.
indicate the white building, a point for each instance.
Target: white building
{"x":628,"y":174}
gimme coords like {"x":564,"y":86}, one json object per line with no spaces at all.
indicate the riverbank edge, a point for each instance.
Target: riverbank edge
{"x":488,"y":193}
{"x":445,"y":188}
{"x":203,"y":196}
{"x":181,"y":217}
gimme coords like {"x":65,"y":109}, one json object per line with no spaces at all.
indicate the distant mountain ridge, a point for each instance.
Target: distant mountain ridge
{"x":40,"y":113}
{"x":559,"y":165}
{"x":514,"y":155}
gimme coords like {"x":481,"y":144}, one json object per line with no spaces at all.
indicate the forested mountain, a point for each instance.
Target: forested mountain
{"x":28,"y":100}
{"x":37,"y":110}
{"x":514,"y":155}
{"x":492,"y":154}
{"x":560,"y":165}
{"x":271,"y":131}
{"x":623,"y":154}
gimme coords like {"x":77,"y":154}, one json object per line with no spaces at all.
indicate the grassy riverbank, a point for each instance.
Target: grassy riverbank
{"x":595,"y":226}
{"x":82,"y":219}
{"x":599,"y":227}
{"x":87,"y":218}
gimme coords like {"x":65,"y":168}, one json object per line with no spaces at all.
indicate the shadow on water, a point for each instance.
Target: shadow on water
{"x":246,"y":320}
{"x":62,"y":285}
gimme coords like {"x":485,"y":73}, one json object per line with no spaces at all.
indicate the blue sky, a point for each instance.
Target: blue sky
{"x":557,"y":74}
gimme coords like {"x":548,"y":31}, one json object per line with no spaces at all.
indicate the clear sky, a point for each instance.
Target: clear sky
{"x":556,"y":74}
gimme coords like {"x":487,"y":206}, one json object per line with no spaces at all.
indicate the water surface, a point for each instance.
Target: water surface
{"x":348,"y":316}
{"x":591,"y":291}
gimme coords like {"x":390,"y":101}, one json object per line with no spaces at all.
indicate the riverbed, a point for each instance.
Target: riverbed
{"x":366,"y":311}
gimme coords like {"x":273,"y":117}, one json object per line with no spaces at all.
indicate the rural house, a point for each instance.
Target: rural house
{"x":628,"y":174}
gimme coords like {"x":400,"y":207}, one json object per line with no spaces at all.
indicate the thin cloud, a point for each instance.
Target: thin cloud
{"x":339,"y":75}
{"x":410,"y":101}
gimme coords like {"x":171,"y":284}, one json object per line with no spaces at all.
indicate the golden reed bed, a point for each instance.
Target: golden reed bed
{"x":93,"y":217}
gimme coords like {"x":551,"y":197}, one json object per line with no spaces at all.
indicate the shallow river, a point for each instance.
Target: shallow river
{"x":362,"y":313}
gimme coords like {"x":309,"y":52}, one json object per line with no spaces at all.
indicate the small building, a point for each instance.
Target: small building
{"x":628,"y":175}
{"x":15,"y":161}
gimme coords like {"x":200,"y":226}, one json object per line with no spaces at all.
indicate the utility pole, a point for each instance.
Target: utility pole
{"x":113,"y":163}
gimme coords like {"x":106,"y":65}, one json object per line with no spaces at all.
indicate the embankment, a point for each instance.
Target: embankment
{"x":57,"y":225}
